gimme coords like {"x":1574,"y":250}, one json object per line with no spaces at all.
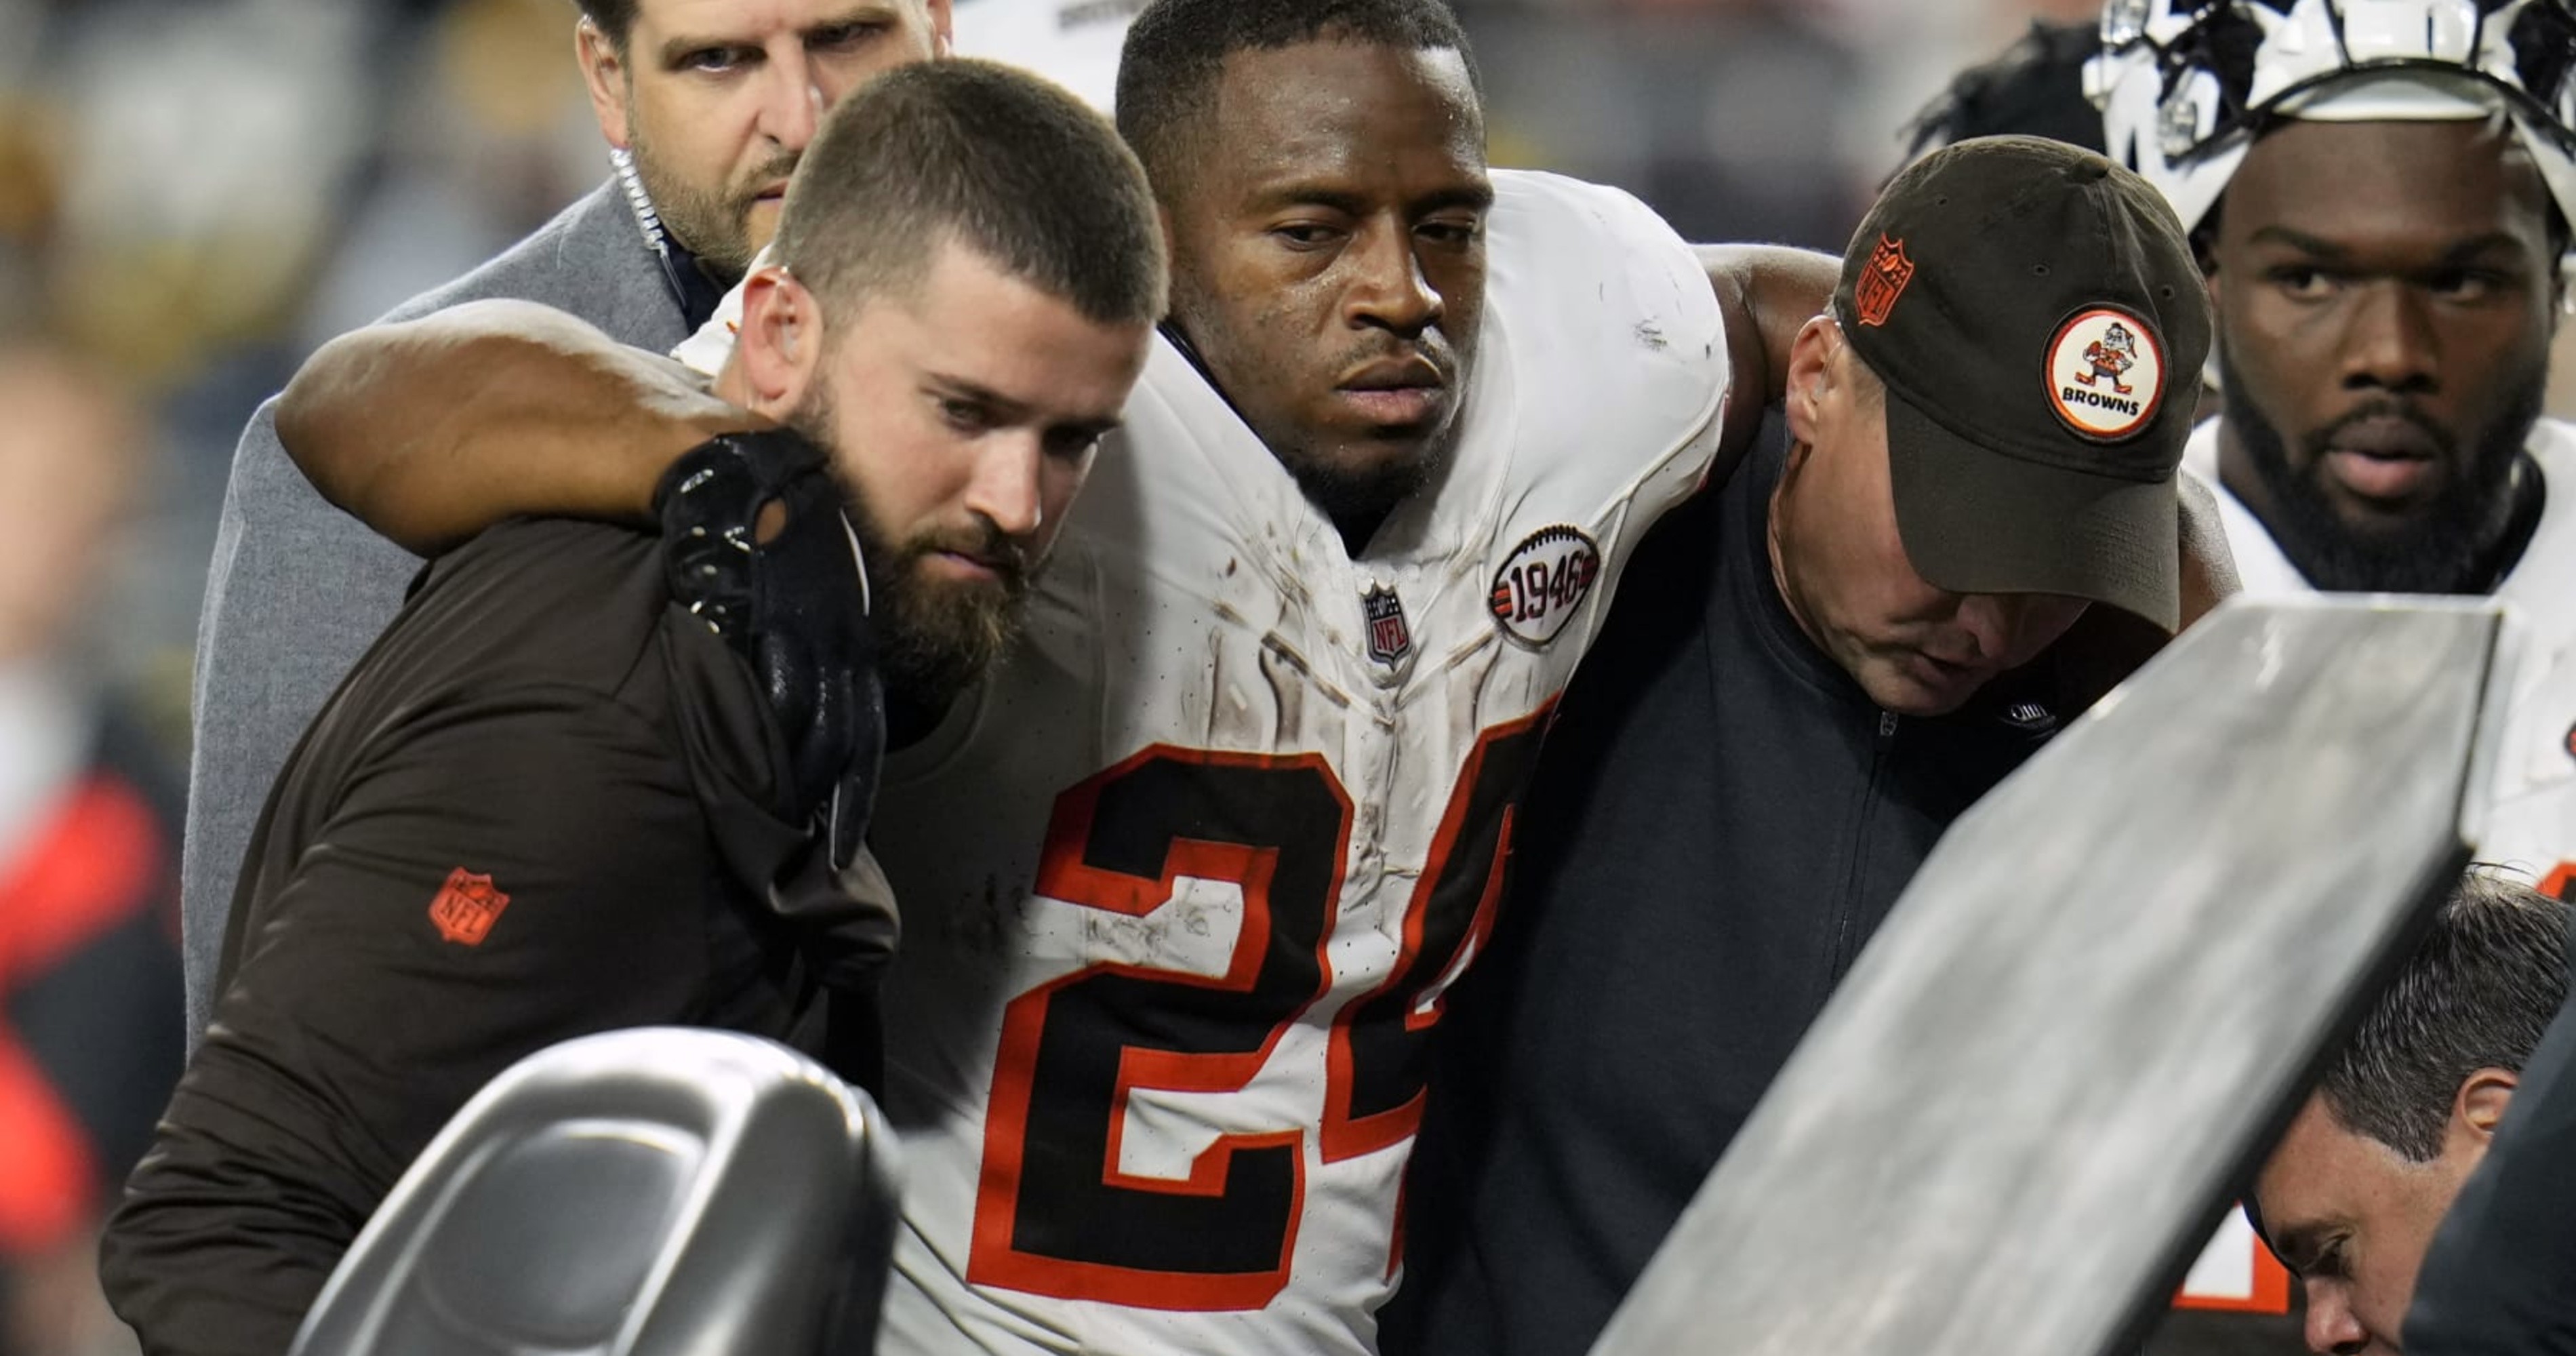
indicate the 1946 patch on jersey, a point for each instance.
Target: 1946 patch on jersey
{"x":1542,"y":582}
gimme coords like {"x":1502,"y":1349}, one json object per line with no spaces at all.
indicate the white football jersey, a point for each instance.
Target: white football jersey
{"x":1184,"y":880}
{"x":2530,"y":819}
{"x":1072,"y":42}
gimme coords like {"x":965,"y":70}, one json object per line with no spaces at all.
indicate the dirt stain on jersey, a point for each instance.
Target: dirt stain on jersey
{"x":1231,"y":722}
{"x":977,"y":925}
{"x":1287,"y":695}
{"x":1276,"y":647}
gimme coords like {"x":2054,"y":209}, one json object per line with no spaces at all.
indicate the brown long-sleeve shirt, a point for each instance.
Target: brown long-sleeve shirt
{"x":543,"y":805}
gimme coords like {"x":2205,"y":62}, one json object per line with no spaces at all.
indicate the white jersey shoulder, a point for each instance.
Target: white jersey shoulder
{"x":2260,"y":567}
{"x":2531,"y":810}
{"x":1072,"y":42}
{"x":1185,"y":878}
{"x":2530,"y":817}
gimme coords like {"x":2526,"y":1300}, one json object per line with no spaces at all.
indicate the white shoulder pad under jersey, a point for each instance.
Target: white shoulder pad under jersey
{"x":1071,"y":42}
{"x":2530,"y":818}
{"x":1184,"y":879}
{"x":2261,"y":569}
{"x":2531,"y":812}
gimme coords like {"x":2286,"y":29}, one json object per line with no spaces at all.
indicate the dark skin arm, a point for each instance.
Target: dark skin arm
{"x":1766,"y":292}
{"x":430,"y":430}
{"x":433,"y":429}
{"x":500,"y":408}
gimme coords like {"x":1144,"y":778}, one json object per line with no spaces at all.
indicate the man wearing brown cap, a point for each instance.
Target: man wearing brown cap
{"x":1815,"y":668}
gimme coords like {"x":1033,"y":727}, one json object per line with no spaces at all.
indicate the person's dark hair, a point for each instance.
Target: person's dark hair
{"x":2036,"y":88}
{"x":1001,"y":162}
{"x":2477,"y":993}
{"x":1175,"y":49}
{"x":613,"y":18}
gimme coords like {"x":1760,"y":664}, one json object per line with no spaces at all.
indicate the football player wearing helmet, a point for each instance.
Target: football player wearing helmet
{"x":2379,"y":192}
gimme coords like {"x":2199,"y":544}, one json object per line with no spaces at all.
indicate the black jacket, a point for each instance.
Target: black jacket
{"x":1720,"y":820}
{"x":2499,"y":1278}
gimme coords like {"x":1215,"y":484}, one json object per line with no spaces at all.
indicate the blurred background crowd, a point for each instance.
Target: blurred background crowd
{"x":195,"y":193}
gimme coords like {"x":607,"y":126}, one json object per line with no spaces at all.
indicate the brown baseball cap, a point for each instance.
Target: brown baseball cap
{"x":2038,"y":320}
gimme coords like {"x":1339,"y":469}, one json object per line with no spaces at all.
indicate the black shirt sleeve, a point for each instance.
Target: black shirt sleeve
{"x":506,"y":871}
{"x":2496,"y":1278}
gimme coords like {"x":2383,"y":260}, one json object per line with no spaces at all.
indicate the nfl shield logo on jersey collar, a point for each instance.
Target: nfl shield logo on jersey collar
{"x":1390,"y":640}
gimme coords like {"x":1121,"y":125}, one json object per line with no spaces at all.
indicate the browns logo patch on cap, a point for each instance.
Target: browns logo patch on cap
{"x":2106,"y":373}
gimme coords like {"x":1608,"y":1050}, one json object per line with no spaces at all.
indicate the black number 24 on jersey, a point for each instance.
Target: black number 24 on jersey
{"x":1054,"y":1214}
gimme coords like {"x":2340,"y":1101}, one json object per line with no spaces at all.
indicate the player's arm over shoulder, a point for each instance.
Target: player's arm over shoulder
{"x":1767,"y":293}
{"x":430,"y":430}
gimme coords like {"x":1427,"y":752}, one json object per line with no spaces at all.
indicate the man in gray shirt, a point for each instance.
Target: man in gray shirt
{"x":706,"y":108}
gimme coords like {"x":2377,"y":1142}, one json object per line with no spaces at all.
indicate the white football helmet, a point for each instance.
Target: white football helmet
{"x":2186,"y":85}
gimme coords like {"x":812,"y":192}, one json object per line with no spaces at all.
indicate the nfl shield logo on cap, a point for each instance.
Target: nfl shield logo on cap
{"x":1878,"y":286}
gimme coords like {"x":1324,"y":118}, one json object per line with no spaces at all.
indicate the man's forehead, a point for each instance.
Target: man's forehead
{"x":1336,"y":90}
{"x":740,"y":18}
{"x":2317,"y":1157}
{"x":977,"y":326}
{"x":2471,"y":171}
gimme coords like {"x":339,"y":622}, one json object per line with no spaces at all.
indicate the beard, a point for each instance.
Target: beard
{"x":714,"y":225}
{"x":1363,"y":493}
{"x":2447,"y":546}
{"x":934,"y":637}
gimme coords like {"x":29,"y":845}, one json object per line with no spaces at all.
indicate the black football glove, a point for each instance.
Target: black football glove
{"x":794,"y":607}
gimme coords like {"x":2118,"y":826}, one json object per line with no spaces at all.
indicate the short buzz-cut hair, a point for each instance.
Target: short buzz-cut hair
{"x":2477,"y":993}
{"x":998,"y":161}
{"x":1176,"y":48}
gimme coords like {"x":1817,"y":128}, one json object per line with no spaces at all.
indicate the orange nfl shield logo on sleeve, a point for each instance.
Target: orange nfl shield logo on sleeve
{"x":466,"y":907}
{"x":1881,"y":280}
